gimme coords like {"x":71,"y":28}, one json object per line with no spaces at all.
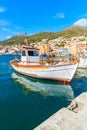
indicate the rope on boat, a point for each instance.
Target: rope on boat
{"x":74,"y":59}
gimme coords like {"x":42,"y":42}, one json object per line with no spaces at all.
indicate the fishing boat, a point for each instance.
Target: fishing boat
{"x":83,"y":63}
{"x":83,"y":60}
{"x":33,"y":65}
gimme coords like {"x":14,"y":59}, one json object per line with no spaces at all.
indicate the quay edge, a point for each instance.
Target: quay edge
{"x":66,"y":119}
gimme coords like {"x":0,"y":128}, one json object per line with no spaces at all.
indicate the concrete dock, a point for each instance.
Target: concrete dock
{"x":74,"y":117}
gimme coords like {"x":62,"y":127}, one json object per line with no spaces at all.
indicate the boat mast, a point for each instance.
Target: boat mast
{"x":26,"y":39}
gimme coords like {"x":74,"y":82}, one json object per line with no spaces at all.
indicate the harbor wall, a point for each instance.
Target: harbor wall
{"x":74,"y":117}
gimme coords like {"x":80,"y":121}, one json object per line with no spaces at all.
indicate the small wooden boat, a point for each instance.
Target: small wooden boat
{"x":31,"y":64}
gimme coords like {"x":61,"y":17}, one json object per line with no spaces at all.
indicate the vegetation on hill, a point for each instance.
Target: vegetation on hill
{"x":73,"y":31}
{"x":14,"y":40}
{"x":67,"y":33}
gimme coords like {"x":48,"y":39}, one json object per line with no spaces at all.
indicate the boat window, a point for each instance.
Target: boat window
{"x":32,"y":53}
{"x":23,"y":53}
{"x":35,"y":53}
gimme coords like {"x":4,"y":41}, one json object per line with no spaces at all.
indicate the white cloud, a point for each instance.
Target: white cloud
{"x":59,"y":15}
{"x":8,"y":37}
{"x":81,"y":22}
{"x":4,"y":22}
{"x":2,"y":9}
{"x":6,"y":29}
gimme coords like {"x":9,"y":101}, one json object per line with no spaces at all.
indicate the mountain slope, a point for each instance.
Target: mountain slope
{"x":73,"y":31}
{"x":67,"y":33}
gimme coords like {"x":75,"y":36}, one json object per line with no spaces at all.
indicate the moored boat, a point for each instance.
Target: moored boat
{"x":83,"y":63}
{"x":32,"y":64}
{"x":83,"y":60}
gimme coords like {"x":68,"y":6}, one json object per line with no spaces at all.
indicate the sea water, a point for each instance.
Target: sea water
{"x":26,"y":102}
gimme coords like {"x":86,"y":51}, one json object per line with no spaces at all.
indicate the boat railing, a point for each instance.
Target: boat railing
{"x":56,"y":60}
{"x":49,"y":61}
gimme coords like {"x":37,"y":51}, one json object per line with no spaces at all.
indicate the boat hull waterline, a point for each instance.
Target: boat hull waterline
{"x":62,"y":73}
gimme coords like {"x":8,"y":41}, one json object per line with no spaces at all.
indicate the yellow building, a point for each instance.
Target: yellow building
{"x":44,"y":48}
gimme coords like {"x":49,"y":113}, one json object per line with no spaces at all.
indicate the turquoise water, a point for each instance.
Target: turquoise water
{"x":26,"y":102}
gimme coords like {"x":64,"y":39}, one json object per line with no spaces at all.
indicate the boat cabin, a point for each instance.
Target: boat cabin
{"x":29,"y":54}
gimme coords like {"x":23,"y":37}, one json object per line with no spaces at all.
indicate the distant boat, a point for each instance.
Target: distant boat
{"x":82,"y":63}
{"x":83,"y":60}
{"x":31,"y":64}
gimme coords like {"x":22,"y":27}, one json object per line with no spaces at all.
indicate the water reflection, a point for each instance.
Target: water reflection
{"x":45,"y":87}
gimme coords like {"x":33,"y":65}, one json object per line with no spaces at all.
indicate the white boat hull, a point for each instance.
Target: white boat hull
{"x":60,"y":72}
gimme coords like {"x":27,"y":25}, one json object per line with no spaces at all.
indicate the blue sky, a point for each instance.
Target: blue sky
{"x":33,"y":16}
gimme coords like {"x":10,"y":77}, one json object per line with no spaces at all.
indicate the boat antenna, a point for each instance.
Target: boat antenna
{"x":26,"y":39}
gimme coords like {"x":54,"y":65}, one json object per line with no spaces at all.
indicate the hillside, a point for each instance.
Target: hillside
{"x":73,"y":31}
{"x":67,"y":33}
{"x":33,"y":38}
